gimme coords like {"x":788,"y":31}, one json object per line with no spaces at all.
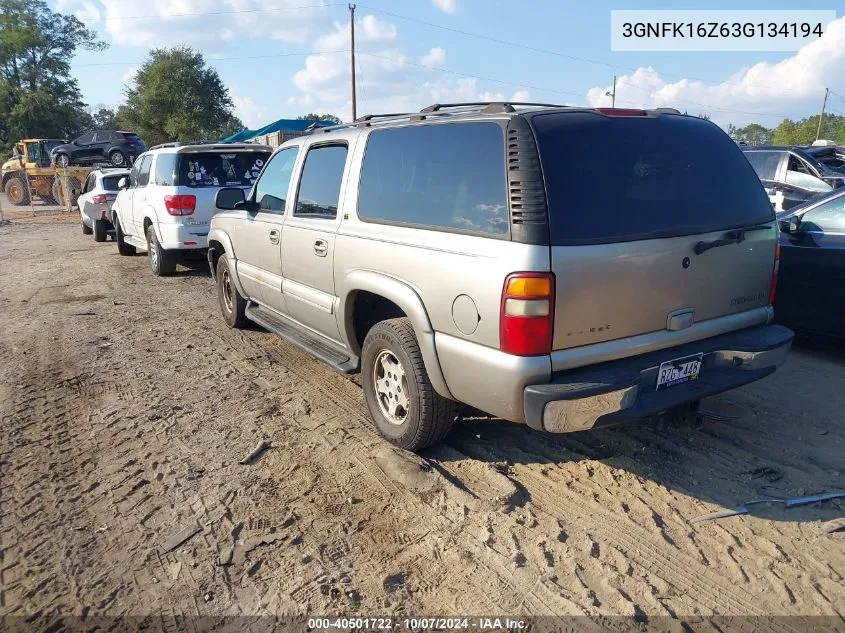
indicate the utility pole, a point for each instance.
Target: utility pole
{"x":612,"y":94}
{"x":352,"y":29}
{"x":824,"y":103}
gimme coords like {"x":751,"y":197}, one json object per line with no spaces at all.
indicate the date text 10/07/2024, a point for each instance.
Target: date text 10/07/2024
{"x":416,"y":624}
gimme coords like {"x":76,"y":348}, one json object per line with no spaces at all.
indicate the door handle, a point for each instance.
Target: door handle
{"x":274,"y":236}
{"x":321,"y":248}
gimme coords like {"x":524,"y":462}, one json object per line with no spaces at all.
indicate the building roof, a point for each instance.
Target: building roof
{"x":282,"y":125}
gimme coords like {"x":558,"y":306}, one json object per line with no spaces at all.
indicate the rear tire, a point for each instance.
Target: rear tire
{"x":100,"y":232}
{"x":117,"y":158}
{"x":232,"y":304}
{"x":403,"y":404}
{"x":122,"y":247}
{"x":17,"y":192}
{"x":162,"y":262}
{"x":86,"y":230}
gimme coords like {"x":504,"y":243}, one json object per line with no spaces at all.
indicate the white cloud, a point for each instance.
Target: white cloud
{"x":252,"y":114}
{"x":129,"y":75}
{"x":435,"y":57}
{"x":165,"y":22}
{"x":763,"y":89}
{"x":447,"y":6}
{"x":367,"y":30}
{"x":521,"y":95}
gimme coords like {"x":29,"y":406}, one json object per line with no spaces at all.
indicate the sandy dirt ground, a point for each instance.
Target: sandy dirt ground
{"x":126,"y":406}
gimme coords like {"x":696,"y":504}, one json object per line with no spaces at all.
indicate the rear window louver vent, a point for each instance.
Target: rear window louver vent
{"x":526,"y":191}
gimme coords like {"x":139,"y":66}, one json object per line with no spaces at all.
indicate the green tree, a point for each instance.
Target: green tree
{"x":37,"y":95}
{"x":754,"y":134}
{"x":319,"y":117}
{"x":103,"y":118}
{"x":176,"y":97}
{"x":787,"y":133}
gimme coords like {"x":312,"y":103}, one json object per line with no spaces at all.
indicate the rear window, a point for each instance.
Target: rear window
{"x":613,"y":179}
{"x":134,"y":138}
{"x":110,"y":182}
{"x":219,"y":169}
{"x":764,"y":163}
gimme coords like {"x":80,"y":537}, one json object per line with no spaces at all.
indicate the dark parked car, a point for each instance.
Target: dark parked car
{"x":811,"y":279}
{"x":101,"y":146}
{"x":790,"y":175}
{"x":833,"y":157}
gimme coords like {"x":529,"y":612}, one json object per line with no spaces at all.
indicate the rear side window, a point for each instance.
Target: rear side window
{"x":319,"y":185}
{"x":764,"y":163}
{"x":110,"y":182}
{"x":442,"y":176}
{"x":614,"y":179}
{"x":219,"y":169}
{"x":165,"y":170}
{"x":144,"y":172}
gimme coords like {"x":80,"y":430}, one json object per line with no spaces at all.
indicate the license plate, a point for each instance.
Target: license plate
{"x":680,"y":370}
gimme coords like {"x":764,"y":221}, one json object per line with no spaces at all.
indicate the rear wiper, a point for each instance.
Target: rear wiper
{"x":731,"y":237}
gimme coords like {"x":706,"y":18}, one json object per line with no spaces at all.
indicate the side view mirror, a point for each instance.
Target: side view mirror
{"x":123,"y":183}
{"x":794,"y":225}
{"x":231,"y":199}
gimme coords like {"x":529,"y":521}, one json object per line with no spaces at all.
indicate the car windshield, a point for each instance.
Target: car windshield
{"x":219,"y":169}
{"x":623,"y":178}
{"x":50,"y":145}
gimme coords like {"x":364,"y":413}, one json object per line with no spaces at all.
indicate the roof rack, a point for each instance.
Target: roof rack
{"x":162,"y":145}
{"x":364,"y":121}
{"x":490,"y":106}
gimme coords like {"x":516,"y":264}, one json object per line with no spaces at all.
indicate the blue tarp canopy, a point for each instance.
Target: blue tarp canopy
{"x":282,"y":125}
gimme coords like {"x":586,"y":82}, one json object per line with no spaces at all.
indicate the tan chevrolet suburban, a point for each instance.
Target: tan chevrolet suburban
{"x":569,"y":268}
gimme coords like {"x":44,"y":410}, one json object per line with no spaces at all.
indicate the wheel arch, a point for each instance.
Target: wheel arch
{"x":220,"y":245}
{"x":408,"y":301}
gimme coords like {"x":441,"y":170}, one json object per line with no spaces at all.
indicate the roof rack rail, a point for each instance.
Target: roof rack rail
{"x":162,"y":145}
{"x":364,"y":121}
{"x":490,"y":106}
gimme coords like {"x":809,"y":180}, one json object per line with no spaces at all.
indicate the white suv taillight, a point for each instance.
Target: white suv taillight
{"x":181,"y":204}
{"x":527,"y":313}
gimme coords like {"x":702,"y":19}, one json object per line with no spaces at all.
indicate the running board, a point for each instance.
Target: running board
{"x":330,"y":353}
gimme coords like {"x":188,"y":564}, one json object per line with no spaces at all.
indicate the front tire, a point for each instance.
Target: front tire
{"x":17,"y":192}
{"x":62,"y":160}
{"x":117,"y":158}
{"x":162,"y":262}
{"x":100,"y":231}
{"x":122,"y":247}
{"x":232,"y":304}
{"x":403,"y":404}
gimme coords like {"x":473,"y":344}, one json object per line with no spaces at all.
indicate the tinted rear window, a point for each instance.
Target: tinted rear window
{"x":612,"y":179}
{"x":219,"y":169}
{"x":110,"y":182}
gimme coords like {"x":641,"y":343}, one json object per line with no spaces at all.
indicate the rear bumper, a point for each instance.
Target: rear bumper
{"x":174,"y":236}
{"x":620,"y":391}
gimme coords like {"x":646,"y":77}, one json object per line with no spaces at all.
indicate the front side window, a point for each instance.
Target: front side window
{"x":133,"y":173}
{"x":828,"y":217}
{"x":444,"y":176}
{"x":271,"y":190}
{"x":319,"y":184}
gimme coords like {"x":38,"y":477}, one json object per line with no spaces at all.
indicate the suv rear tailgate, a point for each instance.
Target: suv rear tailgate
{"x":629,"y":199}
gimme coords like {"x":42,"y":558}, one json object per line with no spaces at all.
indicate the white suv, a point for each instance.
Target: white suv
{"x":166,"y":204}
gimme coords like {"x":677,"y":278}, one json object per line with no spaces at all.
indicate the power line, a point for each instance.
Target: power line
{"x":232,"y":12}
{"x":220,"y":59}
{"x":462,"y":74}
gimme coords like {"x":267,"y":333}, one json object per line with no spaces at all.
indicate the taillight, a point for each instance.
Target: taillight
{"x":100,"y":198}
{"x":180,"y":205}
{"x":527,"y":314}
{"x":621,"y":112}
{"x":773,"y":285}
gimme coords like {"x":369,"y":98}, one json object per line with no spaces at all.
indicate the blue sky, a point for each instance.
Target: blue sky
{"x":283,"y":58}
